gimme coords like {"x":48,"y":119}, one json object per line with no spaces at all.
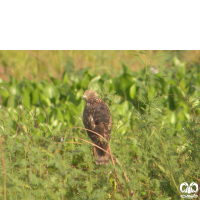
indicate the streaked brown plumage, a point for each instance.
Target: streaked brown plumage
{"x":96,"y":117}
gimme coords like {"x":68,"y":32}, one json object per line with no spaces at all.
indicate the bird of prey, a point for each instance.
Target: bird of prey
{"x":97,"y":118}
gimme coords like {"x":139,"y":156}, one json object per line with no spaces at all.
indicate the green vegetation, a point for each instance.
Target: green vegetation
{"x":46,"y":153}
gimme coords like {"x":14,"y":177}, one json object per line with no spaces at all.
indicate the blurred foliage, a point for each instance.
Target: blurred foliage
{"x":41,"y":65}
{"x":155,"y":134}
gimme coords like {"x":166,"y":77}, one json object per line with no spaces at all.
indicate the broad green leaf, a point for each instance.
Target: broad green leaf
{"x":79,"y":94}
{"x":124,"y":108}
{"x":4,"y":92}
{"x":40,"y":86}
{"x":35,"y":96}
{"x":65,"y":77}
{"x":123,"y":83}
{"x":13,"y":80}
{"x":152,"y":90}
{"x":171,"y":99}
{"x":55,"y":81}
{"x":85,"y":81}
{"x":14,"y":90}
{"x":51,"y":91}
{"x":132,"y":91}
{"x":71,"y":108}
{"x":44,"y":100}
{"x":81,"y":106}
{"x":58,"y":114}
{"x":96,"y":79}
{"x":64,"y":89}
{"x":180,"y":68}
{"x":26,"y":83}
{"x":172,"y":117}
{"x":178,"y":63}
{"x":26,"y":98}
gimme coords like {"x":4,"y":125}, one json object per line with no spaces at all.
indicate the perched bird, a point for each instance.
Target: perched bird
{"x":96,"y":117}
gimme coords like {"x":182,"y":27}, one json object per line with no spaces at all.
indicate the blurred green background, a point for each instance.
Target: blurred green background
{"x":42,"y":64}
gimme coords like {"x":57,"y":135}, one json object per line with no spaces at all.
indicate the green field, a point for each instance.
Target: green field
{"x":45,"y":152}
{"x":42,"y":64}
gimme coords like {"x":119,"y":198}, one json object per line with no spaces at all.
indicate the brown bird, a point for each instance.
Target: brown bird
{"x":96,"y":117}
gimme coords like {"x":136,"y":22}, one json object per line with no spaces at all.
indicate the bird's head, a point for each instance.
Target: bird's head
{"x":88,"y":94}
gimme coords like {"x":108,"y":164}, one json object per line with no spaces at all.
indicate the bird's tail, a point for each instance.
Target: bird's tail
{"x":101,"y":157}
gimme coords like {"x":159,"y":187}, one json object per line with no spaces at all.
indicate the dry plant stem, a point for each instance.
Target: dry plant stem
{"x":4,"y":170}
{"x":92,"y":144}
{"x":117,"y":179}
{"x":109,"y":152}
{"x":113,"y":162}
{"x":47,"y":120}
{"x":87,"y":130}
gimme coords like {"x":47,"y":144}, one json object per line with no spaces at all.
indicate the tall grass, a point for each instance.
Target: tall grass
{"x":42,"y":64}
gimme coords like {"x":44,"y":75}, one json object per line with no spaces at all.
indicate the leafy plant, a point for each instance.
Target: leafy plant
{"x":46,"y":153}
